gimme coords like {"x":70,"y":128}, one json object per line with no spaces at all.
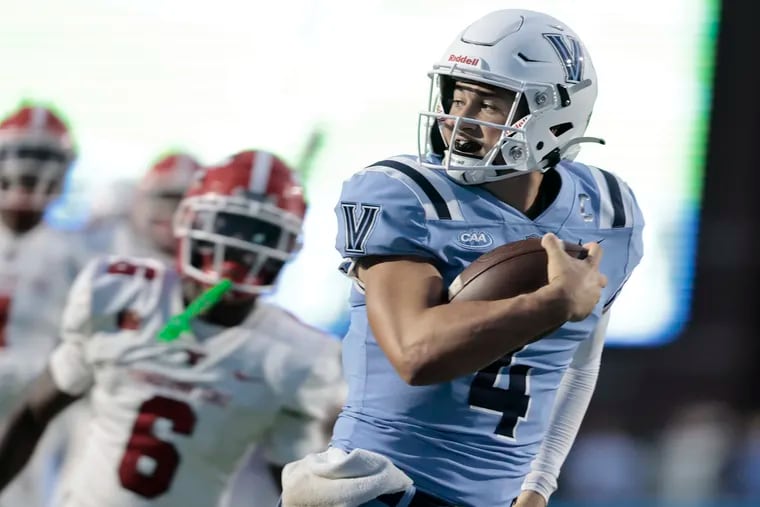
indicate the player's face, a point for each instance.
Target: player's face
{"x":242,"y":258}
{"x":160,"y":213}
{"x":479,"y":102}
{"x":19,"y":210}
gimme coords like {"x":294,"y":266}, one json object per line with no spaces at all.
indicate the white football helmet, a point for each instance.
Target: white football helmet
{"x":548,"y":68}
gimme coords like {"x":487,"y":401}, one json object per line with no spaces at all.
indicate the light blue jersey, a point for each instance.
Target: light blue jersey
{"x":471,"y":440}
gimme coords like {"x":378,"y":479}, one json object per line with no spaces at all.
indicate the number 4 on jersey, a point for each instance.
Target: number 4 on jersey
{"x":511,"y":401}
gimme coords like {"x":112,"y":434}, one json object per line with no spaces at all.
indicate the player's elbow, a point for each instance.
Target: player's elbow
{"x":415,"y":378}
{"x":411,"y":376}
{"x":424,"y":374}
{"x":410,"y":352}
{"x":407,"y":370}
{"x":416,"y":366}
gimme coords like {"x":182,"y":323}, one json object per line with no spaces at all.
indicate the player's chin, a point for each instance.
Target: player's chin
{"x":238,"y":297}
{"x":21,"y":220}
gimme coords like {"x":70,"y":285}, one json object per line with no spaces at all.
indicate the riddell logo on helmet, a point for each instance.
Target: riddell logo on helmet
{"x":467,"y":60}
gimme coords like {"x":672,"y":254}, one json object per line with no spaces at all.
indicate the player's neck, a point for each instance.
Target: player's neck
{"x":229,"y":313}
{"x":520,"y":192}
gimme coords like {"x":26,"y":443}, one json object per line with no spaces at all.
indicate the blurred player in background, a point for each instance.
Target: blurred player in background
{"x":171,"y":419}
{"x":458,"y":404}
{"x":133,"y":219}
{"x":142,"y":226}
{"x":37,"y":266}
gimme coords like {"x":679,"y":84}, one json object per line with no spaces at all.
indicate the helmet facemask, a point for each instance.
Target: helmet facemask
{"x":531,"y":139}
{"x":237,"y":238}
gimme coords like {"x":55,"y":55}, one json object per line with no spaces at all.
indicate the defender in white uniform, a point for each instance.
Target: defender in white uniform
{"x":37,"y":267}
{"x":144,"y":228}
{"x":172,"y":419}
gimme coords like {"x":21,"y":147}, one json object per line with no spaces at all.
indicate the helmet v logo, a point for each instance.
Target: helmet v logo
{"x":570,"y":55}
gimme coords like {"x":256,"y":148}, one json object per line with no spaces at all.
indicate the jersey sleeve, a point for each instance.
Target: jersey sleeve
{"x":380,"y":214}
{"x":304,"y":423}
{"x":68,"y":364}
{"x":96,"y":298}
{"x":635,"y":244}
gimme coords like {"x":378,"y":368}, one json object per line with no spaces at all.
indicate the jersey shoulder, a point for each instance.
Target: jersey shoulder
{"x":610,"y":200}
{"x":301,"y":341}
{"x":426,"y":191}
{"x":298,"y":357}
{"x":389,"y":207}
{"x":106,"y":286}
{"x":609,"y":204}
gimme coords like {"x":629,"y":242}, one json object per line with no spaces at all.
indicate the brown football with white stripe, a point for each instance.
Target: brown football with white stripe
{"x":507,"y":271}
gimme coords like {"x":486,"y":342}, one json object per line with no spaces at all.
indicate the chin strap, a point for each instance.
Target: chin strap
{"x":579,"y":140}
{"x":586,"y":139}
{"x":569,"y":151}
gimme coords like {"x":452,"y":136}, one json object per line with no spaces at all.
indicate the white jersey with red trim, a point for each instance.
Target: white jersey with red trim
{"x":172,"y":419}
{"x":36,"y":272}
{"x":37,"y":269}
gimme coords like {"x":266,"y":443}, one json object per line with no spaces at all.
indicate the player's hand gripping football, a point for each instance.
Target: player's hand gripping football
{"x":579,"y":280}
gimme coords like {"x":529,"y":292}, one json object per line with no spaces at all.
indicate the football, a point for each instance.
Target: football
{"x":507,"y":271}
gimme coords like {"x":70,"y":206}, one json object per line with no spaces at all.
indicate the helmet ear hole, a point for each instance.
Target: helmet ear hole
{"x":523,"y":109}
{"x":560,"y":128}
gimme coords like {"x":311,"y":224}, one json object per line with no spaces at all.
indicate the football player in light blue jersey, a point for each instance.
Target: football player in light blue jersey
{"x":455,"y":403}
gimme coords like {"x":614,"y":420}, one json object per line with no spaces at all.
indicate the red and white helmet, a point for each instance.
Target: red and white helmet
{"x":159,"y":192}
{"x":173,"y":173}
{"x":241,"y":220}
{"x":36,"y":150}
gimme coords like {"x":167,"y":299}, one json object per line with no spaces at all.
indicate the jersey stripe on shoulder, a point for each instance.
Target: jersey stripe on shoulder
{"x":438,"y":201}
{"x":616,"y":202}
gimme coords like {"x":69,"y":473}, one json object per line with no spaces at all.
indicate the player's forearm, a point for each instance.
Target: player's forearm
{"x":573,"y":397}
{"x":572,"y":401}
{"x":18,"y":438}
{"x":451,"y":340}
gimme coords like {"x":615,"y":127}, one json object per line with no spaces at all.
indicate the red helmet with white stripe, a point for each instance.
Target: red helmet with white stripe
{"x":159,"y":193}
{"x":36,"y":150}
{"x":241,"y":220}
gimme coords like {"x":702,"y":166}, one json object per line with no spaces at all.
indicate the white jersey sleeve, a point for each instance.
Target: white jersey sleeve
{"x":93,"y":304}
{"x":68,"y":363}
{"x":312,"y":392}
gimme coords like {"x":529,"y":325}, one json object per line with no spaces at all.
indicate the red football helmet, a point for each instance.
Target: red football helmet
{"x":159,"y":193}
{"x":36,"y":150}
{"x":241,"y":220}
